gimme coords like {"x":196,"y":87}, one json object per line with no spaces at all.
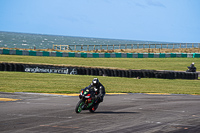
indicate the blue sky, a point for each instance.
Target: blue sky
{"x":148,"y":20}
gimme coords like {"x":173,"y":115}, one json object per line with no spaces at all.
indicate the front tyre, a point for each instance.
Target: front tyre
{"x":79,"y":106}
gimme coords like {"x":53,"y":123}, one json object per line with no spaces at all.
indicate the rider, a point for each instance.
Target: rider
{"x":99,"y":90}
{"x":192,"y":68}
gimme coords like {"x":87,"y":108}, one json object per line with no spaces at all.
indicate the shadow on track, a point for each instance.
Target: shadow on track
{"x":111,"y":112}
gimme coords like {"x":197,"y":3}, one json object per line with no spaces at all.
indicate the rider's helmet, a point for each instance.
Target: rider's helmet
{"x":192,"y":65}
{"x":95,"y":82}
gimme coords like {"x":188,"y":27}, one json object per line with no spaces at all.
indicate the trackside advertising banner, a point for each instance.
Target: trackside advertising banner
{"x":50,"y":69}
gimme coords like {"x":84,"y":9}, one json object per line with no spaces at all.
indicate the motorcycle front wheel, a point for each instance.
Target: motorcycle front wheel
{"x":79,"y":106}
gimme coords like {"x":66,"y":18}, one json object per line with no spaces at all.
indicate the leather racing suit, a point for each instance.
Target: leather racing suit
{"x":99,"y":91}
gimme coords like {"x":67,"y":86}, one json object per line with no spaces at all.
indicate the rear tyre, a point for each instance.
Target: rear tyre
{"x":93,"y":108}
{"x":79,"y":106}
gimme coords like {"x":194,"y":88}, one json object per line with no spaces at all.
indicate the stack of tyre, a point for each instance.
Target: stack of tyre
{"x":109,"y":72}
{"x":12,"y":67}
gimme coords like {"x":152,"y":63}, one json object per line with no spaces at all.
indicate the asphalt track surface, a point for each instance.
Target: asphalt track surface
{"x":131,"y":113}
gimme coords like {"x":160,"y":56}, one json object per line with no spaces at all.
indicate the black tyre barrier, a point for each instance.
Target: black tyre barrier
{"x":15,"y":67}
{"x":126,"y":73}
{"x":148,"y":73}
{"x":1,"y":67}
{"x":111,"y":72}
{"x":80,"y":71}
{"x":115,"y":72}
{"x":21,"y":68}
{"x":130,"y":73}
{"x":9,"y":67}
{"x":178,"y":75}
{"x":123,"y":73}
{"x":83,"y":71}
{"x":5,"y":66}
{"x":138,"y":73}
{"x":105,"y":72}
{"x":195,"y":76}
{"x":88,"y":71}
{"x":151,"y":74}
{"x":157,"y":75}
{"x":119,"y":73}
{"x":92,"y":71}
{"x":108,"y":72}
{"x":188,"y":75}
{"x":97,"y":72}
{"x":100,"y":72}
{"x":133,"y":73}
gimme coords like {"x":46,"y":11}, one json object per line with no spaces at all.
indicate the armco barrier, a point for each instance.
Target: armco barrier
{"x":99,"y":55}
{"x":38,"y":68}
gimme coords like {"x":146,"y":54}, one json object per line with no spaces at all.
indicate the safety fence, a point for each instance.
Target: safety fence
{"x":38,"y":68}
{"x":84,"y":47}
{"x":98,"y":55}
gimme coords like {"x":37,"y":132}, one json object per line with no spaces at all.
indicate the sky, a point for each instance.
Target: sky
{"x":148,"y":20}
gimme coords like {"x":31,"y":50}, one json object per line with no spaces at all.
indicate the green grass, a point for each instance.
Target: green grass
{"x":179,"y":64}
{"x":61,"y":83}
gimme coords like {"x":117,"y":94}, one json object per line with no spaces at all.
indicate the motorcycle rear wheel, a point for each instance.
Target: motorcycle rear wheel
{"x":93,"y":108}
{"x":79,"y":105}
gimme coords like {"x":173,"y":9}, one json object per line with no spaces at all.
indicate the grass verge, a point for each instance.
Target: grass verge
{"x":179,"y":64}
{"x":61,"y":83}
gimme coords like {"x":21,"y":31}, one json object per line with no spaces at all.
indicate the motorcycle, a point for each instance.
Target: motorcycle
{"x":191,"y":69}
{"x":87,"y":101}
{"x":188,"y":70}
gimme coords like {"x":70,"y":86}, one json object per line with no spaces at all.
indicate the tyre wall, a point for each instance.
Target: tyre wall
{"x":38,"y":68}
{"x":99,"y":55}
